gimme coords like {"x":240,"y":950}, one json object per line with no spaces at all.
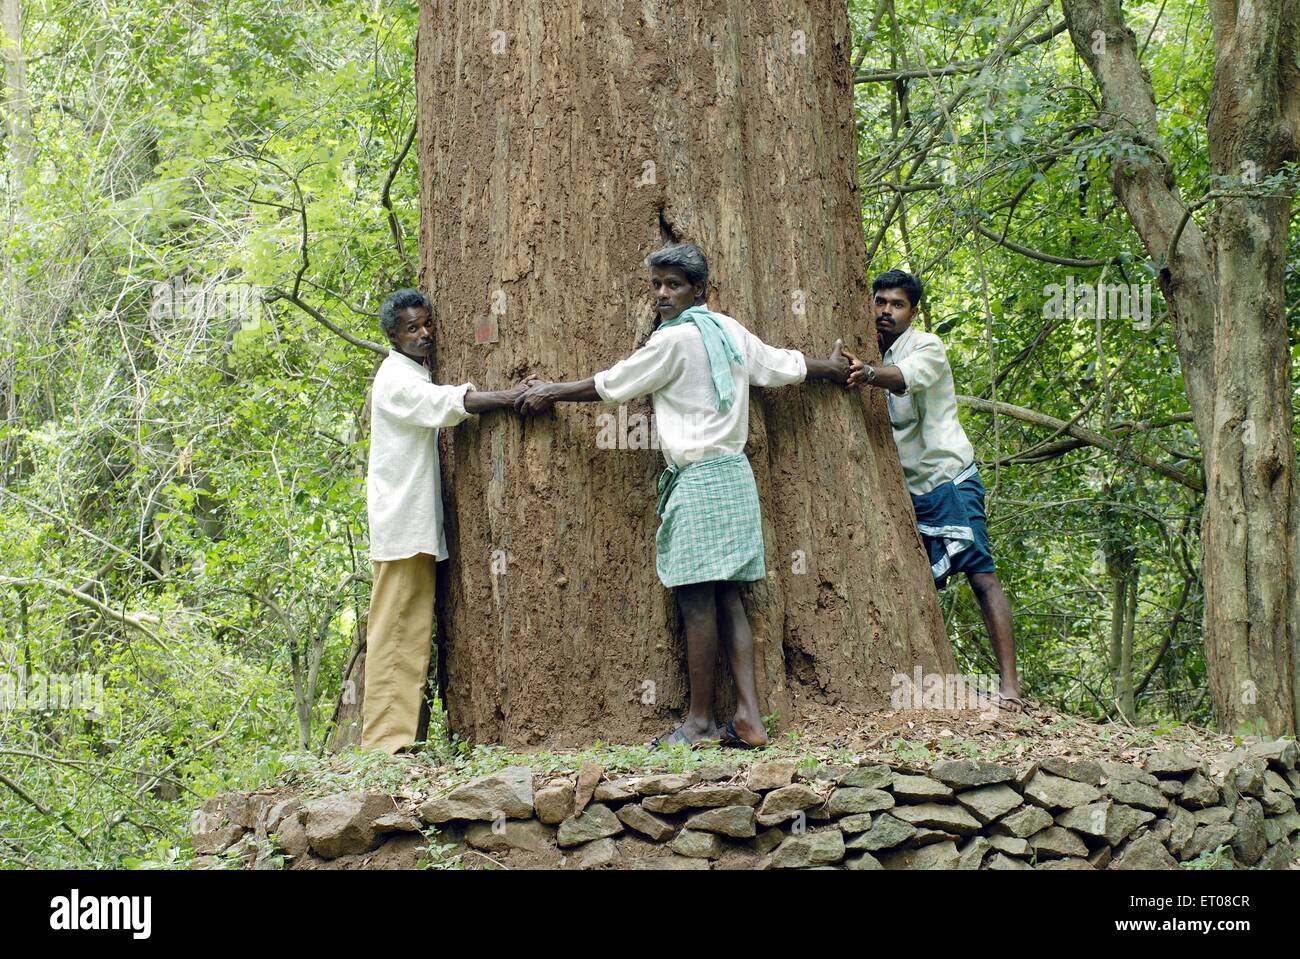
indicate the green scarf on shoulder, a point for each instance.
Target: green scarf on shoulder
{"x":718,"y":345}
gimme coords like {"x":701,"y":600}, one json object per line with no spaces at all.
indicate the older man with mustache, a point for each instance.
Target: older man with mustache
{"x":404,"y":503}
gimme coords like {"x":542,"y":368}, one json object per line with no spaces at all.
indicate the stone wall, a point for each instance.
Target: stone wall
{"x":957,"y":814}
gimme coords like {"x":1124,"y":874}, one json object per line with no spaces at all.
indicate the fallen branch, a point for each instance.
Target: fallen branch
{"x":1051,"y":450}
{"x":1044,"y":257}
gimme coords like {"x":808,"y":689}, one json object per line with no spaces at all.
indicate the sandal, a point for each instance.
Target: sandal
{"x":731,"y":738}
{"x":674,"y":737}
{"x":677,"y":738}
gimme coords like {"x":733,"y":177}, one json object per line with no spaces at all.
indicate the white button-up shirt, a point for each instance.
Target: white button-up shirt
{"x":932,"y":446}
{"x":404,"y":484}
{"x":673,"y":368}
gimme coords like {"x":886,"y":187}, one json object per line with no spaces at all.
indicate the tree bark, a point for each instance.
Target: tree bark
{"x":345,"y":729}
{"x":1123,"y":570}
{"x":17,"y":106}
{"x":559,"y":145}
{"x":1227,"y":299}
{"x":18,"y":136}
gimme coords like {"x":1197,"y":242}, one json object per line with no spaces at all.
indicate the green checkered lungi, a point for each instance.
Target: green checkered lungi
{"x":710,"y":527}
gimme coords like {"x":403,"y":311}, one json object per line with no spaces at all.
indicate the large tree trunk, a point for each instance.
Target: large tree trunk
{"x":560,"y":143}
{"x":1225,"y":289}
{"x":1252,"y":590}
{"x":18,"y":141}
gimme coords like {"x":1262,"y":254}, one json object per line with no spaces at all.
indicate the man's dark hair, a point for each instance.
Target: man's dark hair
{"x":899,"y":280}
{"x":395,"y":303}
{"x":686,"y":257}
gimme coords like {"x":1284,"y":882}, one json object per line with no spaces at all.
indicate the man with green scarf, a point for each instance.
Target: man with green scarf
{"x":697,"y":368}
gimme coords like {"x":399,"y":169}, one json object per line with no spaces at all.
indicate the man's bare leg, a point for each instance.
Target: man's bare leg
{"x":738,"y":640}
{"x":997,"y":621}
{"x":700,"y":616}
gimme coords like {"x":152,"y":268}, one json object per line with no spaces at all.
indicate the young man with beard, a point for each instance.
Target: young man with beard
{"x":697,"y":368}
{"x":938,"y":460}
{"x":404,"y":503}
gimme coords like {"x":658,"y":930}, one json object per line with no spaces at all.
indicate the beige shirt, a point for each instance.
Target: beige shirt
{"x":932,"y":446}
{"x":673,"y":368}
{"x":403,"y":483}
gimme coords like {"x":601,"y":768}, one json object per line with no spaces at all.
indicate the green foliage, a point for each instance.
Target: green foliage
{"x":176,"y":449}
{"x":182,"y":463}
{"x":1014,"y":150}
{"x":910,"y":753}
{"x":1210,"y":859}
{"x":772,"y":723}
{"x":433,"y":855}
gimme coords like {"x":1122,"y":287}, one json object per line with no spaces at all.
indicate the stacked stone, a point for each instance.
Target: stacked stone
{"x":959,"y":814}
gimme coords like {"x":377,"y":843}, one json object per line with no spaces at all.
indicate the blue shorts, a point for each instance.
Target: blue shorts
{"x":953,"y":527}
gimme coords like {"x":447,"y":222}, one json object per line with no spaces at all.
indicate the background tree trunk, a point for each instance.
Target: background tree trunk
{"x":1123,"y":571}
{"x":559,"y":145}
{"x":1226,"y":295}
{"x":17,"y":107}
{"x":345,"y":729}
{"x":18,"y":142}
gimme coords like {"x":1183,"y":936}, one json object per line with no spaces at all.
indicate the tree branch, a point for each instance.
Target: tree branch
{"x":386,"y":199}
{"x":278,"y":294}
{"x":1168,"y":638}
{"x":136,"y":622}
{"x":1143,"y":180}
{"x":1039,"y":255}
{"x":1086,"y":436}
{"x":965,"y":66}
{"x":31,"y":801}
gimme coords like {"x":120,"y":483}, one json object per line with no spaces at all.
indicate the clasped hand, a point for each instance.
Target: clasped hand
{"x":535,"y":397}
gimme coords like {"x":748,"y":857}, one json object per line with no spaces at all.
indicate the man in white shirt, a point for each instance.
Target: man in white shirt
{"x":697,"y":368}
{"x":938,"y":460}
{"x":404,"y":503}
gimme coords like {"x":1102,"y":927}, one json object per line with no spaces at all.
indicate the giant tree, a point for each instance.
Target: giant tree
{"x":559,"y":144}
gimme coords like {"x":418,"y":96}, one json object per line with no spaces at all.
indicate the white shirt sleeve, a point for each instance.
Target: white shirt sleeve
{"x":646,"y":371}
{"x":769,"y":366}
{"x":424,"y":404}
{"x":922,"y":367}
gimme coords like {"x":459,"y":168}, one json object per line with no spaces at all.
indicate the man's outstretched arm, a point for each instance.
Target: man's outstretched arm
{"x":484,"y":401}
{"x":771,"y":366}
{"x":541,"y":396}
{"x":648,"y":369}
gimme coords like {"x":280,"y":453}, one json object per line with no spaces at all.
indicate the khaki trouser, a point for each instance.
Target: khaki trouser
{"x":399,"y":642}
